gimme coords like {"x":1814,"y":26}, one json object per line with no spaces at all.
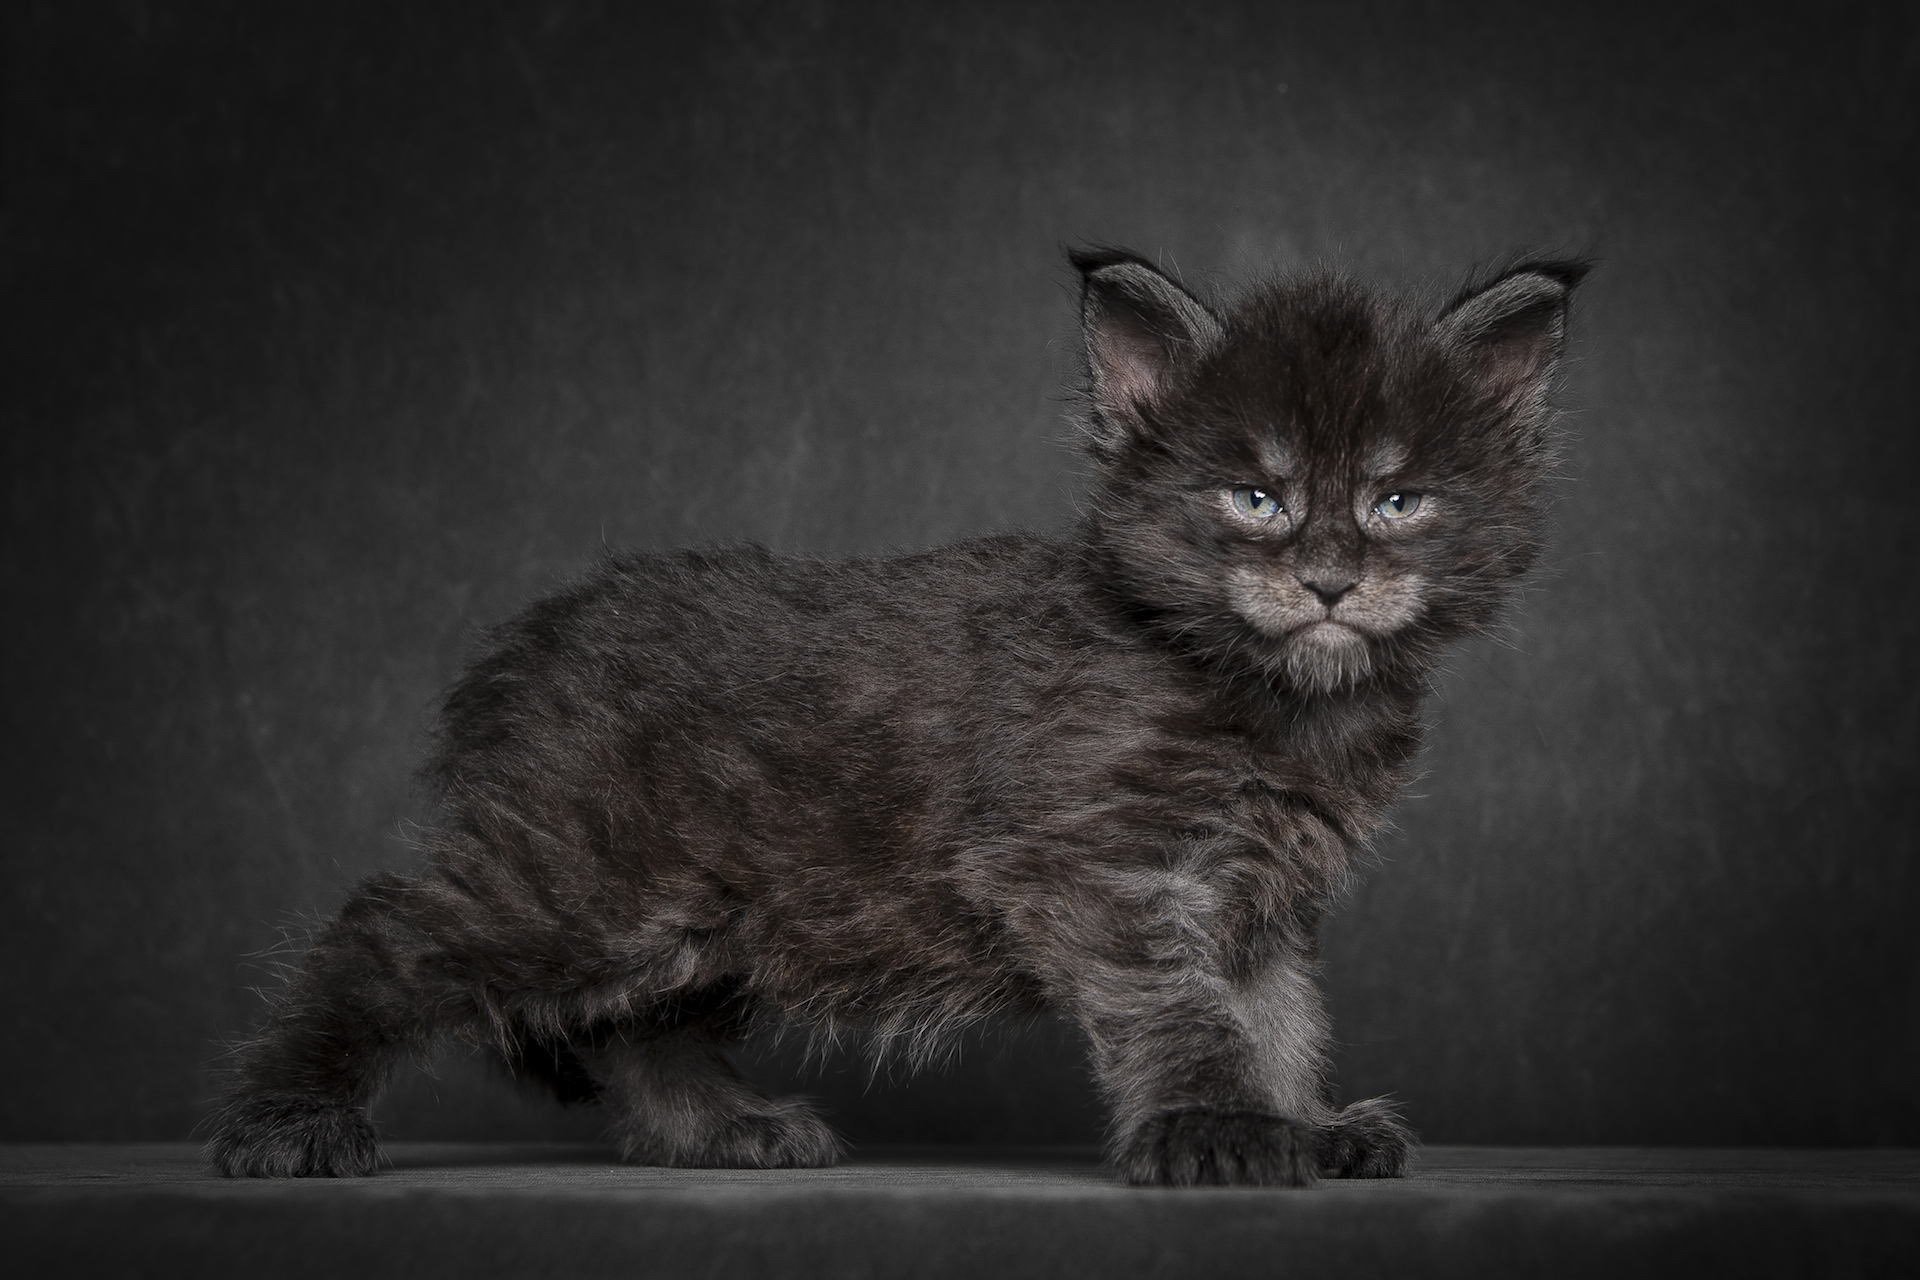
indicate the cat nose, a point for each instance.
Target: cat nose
{"x":1329,"y":591}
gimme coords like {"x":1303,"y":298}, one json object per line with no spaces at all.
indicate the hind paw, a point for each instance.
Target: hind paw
{"x":788,"y":1135}
{"x":792,"y":1136}
{"x":292,"y":1137}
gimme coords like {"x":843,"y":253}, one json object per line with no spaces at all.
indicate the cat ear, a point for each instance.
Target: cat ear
{"x":1512,"y":329}
{"x":1139,"y":325}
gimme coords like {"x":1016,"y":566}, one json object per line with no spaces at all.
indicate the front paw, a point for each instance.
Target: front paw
{"x":1204,"y":1147}
{"x":1366,"y":1140}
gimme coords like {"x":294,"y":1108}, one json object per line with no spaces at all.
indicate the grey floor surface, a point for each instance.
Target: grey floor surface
{"x":479,"y":1210}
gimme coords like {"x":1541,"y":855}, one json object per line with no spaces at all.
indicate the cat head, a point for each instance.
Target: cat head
{"x":1320,"y":483}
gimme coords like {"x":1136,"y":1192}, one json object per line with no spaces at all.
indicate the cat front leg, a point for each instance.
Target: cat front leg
{"x":1367,"y":1139}
{"x":1196,"y":1097}
{"x":1190,"y":1107}
{"x":1278,"y":999}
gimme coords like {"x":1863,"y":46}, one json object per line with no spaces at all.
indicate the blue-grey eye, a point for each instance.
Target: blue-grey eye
{"x":1397,"y":506}
{"x":1256,"y":504}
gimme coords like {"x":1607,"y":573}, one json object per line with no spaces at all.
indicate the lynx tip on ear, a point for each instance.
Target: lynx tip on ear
{"x":1088,"y":259}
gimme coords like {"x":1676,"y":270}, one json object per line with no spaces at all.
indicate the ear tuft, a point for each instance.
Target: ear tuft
{"x":1139,"y":327}
{"x":1087,"y":259}
{"x":1512,"y":328}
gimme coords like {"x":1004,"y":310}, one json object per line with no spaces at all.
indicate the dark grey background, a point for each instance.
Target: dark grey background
{"x":333,"y":337}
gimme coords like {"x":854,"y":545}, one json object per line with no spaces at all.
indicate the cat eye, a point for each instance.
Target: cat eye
{"x":1397,"y":506}
{"x":1256,"y":504}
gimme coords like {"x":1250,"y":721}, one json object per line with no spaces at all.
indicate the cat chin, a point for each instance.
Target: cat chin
{"x":1326,"y":656}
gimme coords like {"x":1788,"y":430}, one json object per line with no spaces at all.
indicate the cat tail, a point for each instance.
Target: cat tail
{"x":547,"y":1065}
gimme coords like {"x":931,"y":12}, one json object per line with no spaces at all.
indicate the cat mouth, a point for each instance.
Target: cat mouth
{"x":1330,"y":631}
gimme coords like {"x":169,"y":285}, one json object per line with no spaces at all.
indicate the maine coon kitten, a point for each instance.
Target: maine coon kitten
{"x":1120,"y":774}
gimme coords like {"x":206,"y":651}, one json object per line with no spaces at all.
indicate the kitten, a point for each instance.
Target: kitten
{"x":1120,"y":775}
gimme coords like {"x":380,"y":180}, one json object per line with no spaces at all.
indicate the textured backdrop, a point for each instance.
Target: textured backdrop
{"x":332,"y":337}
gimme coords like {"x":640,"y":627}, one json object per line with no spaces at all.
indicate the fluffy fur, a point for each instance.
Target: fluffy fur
{"x":1119,"y":774}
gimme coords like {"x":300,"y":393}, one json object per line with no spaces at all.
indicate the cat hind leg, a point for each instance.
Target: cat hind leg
{"x":676,"y":1100}
{"x":363,"y":997}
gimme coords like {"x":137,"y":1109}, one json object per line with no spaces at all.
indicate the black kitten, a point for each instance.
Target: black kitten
{"x":1120,"y":775}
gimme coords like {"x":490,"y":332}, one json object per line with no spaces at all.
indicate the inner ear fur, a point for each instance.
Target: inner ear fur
{"x":1139,"y":326}
{"x":1512,"y":328}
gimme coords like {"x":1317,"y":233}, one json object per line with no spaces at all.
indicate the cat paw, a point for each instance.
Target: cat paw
{"x":1203,"y":1147}
{"x":789,"y":1135}
{"x":1366,"y":1140}
{"x":792,"y":1136}
{"x":292,"y":1137}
